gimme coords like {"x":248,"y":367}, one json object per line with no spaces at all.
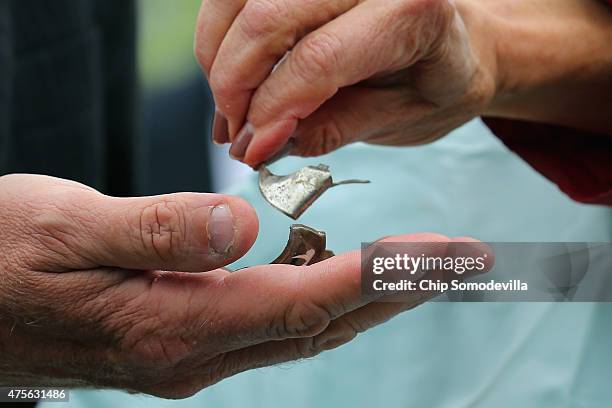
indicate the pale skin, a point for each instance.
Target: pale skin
{"x":398,"y":72}
{"x":86,"y":299}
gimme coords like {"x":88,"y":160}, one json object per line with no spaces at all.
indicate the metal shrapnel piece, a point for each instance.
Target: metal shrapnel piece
{"x":295,"y":193}
{"x":306,"y":246}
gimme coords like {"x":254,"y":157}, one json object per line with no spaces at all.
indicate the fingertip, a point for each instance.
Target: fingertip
{"x":471,"y":247}
{"x":219,"y":130}
{"x":246,"y":226}
{"x":268,"y":140}
{"x":241,"y":142}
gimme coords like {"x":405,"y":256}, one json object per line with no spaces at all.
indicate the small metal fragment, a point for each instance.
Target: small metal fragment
{"x":306,"y":246}
{"x":295,"y":193}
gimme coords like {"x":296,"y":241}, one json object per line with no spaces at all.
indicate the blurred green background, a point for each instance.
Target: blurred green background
{"x":176,"y":106}
{"x":165,"y":42}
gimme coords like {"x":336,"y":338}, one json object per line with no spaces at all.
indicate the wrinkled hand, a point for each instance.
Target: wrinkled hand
{"x":85,"y":301}
{"x":330,"y":72}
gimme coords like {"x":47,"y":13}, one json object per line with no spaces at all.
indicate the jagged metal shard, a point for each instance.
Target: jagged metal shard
{"x":306,"y":246}
{"x":295,"y":193}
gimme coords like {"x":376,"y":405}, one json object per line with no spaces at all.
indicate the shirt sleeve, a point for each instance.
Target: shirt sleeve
{"x":580,"y":163}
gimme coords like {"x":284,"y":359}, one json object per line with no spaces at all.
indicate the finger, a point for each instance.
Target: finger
{"x":294,"y":302}
{"x":261,"y":34}
{"x":339,"y":332}
{"x":353,"y":114}
{"x":334,"y":56}
{"x":469,"y":247}
{"x":180,"y":232}
{"x":214,"y":20}
{"x":345,"y":328}
{"x":374,"y":115}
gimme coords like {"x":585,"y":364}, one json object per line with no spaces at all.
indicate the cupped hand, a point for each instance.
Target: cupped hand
{"x":326,"y":73}
{"x":97,"y":291}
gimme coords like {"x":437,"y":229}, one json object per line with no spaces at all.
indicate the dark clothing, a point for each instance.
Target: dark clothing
{"x":67,"y":90}
{"x":580,"y":163}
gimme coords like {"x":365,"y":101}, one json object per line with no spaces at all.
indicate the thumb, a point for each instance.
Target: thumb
{"x":354,"y":114}
{"x":180,"y":232}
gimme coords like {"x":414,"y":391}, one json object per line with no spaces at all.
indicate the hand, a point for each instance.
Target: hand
{"x":85,"y":300}
{"x":398,"y":72}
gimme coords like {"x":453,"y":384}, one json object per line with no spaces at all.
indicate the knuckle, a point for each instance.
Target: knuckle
{"x":221,"y":85}
{"x":163,"y":229}
{"x":265,"y":104}
{"x":351,"y":328}
{"x":161,"y":352}
{"x":304,"y":319}
{"x":307,"y":348}
{"x":434,"y":18}
{"x":317,"y":55}
{"x":56,"y":236}
{"x":441,"y":15}
{"x":202,"y":56}
{"x":325,"y":138}
{"x":340,"y":332}
{"x":146,"y":341}
{"x":262,"y":18}
{"x":58,"y":230}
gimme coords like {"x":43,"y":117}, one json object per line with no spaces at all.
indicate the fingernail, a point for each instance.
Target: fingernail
{"x":220,"y":133}
{"x":220,"y":229}
{"x":241,"y":143}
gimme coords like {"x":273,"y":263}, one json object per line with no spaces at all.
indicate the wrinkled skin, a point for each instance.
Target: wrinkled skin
{"x":84,"y":300}
{"x":326,"y":73}
{"x":395,"y":72}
